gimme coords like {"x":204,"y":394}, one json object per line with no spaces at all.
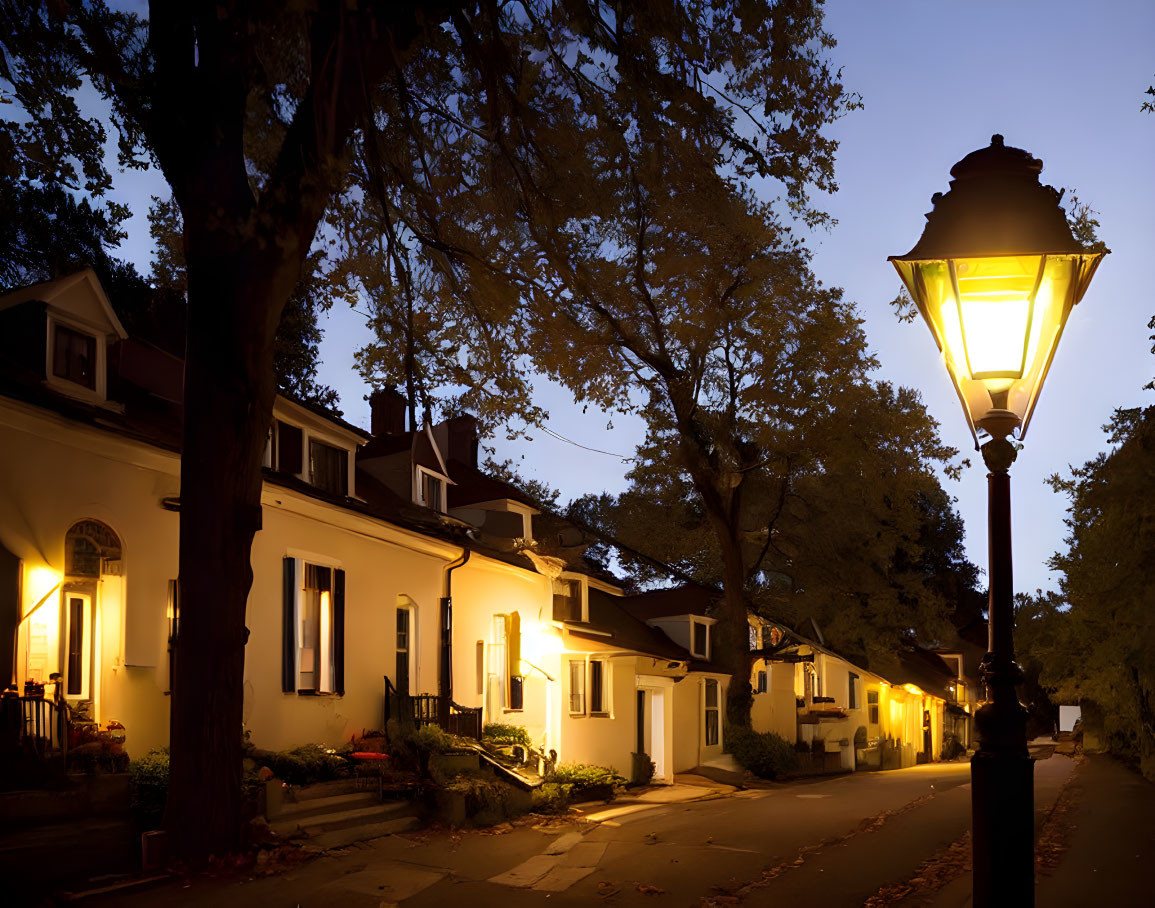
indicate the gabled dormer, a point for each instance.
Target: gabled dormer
{"x":314,"y":448}
{"x":411,"y":464}
{"x":58,"y":333}
{"x":681,"y":614}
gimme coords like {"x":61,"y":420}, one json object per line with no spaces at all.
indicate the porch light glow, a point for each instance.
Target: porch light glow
{"x":913,"y":689}
{"x":39,"y":581}
{"x":995,"y":275}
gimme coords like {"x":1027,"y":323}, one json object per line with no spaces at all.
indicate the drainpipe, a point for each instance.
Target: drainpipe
{"x":445,"y":669}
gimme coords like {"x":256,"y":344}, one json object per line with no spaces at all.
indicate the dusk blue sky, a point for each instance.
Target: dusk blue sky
{"x":1062,"y":79}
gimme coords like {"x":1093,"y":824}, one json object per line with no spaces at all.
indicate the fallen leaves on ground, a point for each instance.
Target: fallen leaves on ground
{"x":645,"y":889}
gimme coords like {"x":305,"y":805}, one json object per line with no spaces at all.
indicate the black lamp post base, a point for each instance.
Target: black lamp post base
{"x":1003,"y":812}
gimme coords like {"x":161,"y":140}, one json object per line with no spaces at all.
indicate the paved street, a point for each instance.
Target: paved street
{"x":865,"y":839}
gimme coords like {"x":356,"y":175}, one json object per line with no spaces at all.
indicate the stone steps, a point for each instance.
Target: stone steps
{"x":333,"y":814}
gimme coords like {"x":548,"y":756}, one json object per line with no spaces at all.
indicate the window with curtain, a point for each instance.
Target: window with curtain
{"x":328,"y":468}
{"x":74,"y":356}
{"x":315,"y":641}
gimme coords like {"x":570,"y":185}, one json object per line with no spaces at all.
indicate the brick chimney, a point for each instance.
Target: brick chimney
{"x":463,"y":439}
{"x":387,"y":408}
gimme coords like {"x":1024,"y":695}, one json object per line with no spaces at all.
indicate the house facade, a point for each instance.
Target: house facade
{"x":386,"y":563}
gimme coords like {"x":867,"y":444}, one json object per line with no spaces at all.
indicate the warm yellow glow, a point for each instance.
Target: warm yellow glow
{"x":913,"y":689}
{"x":997,"y":321}
{"x":326,"y":634}
{"x":538,"y":643}
{"x":39,"y":582}
{"x":995,"y":303}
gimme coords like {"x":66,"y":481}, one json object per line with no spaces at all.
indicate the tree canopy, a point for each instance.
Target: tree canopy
{"x":541,"y":155}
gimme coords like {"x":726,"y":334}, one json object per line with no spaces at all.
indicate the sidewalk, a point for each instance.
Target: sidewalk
{"x":1110,"y":838}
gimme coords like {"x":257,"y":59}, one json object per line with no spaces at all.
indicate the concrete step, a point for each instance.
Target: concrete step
{"x":325,"y":789}
{"x":317,"y":806}
{"x":314,"y":824}
{"x":338,"y":838}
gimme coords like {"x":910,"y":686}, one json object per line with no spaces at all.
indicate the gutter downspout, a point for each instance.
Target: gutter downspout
{"x":445,"y":668}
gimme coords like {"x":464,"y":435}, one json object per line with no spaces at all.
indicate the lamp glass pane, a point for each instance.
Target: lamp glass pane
{"x":995,"y":297}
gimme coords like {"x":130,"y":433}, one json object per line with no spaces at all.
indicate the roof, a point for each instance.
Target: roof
{"x":473,"y":486}
{"x":922,"y":668}
{"x":607,"y":615}
{"x":687,"y":599}
{"x":49,"y":291}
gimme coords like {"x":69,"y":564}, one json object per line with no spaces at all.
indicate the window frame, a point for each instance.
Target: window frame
{"x":602,"y":707}
{"x":419,"y":491}
{"x":695,"y":623}
{"x":872,"y":708}
{"x":341,"y":458}
{"x":852,"y":690}
{"x":580,"y":597}
{"x":762,"y":681}
{"x":84,"y":656}
{"x":577,"y":671}
{"x":708,"y":727}
{"x":98,"y":391}
{"x":410,"y":612}
{"x":336,"y":647}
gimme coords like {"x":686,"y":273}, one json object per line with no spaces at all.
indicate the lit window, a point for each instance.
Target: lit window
{"x":316,"y":638}
{"x":74,"y":356}
{"x":753,"y":637}
{"x":598,"y":699}
{"x":577,"y":688}
{"x":328,"y":468}
{"x":712,"y":712}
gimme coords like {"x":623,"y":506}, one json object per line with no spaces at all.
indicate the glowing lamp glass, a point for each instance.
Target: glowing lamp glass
{"x":997,"y":321}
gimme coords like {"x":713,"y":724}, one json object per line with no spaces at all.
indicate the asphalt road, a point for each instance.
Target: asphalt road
{"x":852,"y":840}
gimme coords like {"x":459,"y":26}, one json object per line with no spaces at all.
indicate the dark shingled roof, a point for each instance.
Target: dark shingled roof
{"x":687,"y":599}
{"x":473,"y":486}
{"x":607,"y":615}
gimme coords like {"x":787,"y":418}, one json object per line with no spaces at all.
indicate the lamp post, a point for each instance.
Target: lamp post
{"x":995,"y":275}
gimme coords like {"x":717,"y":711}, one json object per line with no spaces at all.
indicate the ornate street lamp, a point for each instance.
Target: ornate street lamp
{"x":996,"y":274}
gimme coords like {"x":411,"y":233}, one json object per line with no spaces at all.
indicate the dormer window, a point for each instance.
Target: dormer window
{"x":700,"y":639}
{"x":431,"y":488}
{"x":567,"y":600}
{"x":74,"y":356}
{"x":328,"y":468}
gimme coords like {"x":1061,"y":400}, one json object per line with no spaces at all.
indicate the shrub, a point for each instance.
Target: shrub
{"x":765,"y":754}
{"x":500,"y":733}
{"x":412,"y":747}
{"x":305,"y":764}
{"x":551,"y":797}
{"x":149,"y":777}
{"x":586,"y":775}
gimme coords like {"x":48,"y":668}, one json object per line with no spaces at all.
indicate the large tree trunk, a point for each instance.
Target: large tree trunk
{"x":229,"y":391}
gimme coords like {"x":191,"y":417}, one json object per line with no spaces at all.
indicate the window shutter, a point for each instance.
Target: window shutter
{"x":289,"y":627}
{"x":339,"y":630}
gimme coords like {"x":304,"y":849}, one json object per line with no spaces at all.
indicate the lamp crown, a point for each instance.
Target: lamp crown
{"x":996,"y":206}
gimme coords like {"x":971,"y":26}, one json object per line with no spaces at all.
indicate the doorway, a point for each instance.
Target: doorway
{"x":651,"y":728}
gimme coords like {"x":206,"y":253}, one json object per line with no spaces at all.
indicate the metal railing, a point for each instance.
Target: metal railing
{"x":34,"y":724}
{"x":432,"y":709}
